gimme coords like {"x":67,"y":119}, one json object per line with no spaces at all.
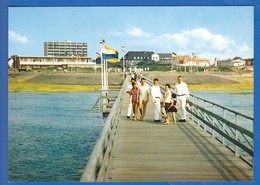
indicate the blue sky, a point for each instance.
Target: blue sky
{"x":209,"y":31}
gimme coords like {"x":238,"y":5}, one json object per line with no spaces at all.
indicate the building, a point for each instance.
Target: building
{"x":155,"y":57}
{"x":235,"y":62}
{"x":66,"y":48}
{"x":16,"y":61}
{"x":193,"y":61}
{"x":134,"y":57}
{"x":249,"y":62}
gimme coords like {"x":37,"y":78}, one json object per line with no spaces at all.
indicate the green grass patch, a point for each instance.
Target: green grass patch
{"x":16,"y":85}
{"x":223,"y":87}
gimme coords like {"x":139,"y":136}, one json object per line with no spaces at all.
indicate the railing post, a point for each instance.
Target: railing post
{"x":198,"y":120}
{"x":213,"y":130}
{"x":236,"y":137}
{"x":223,"y":129}
{"x":205,"y":126}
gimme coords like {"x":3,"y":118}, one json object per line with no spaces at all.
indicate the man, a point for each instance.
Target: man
{"x":156,"y":98}
{"x":182,"y":92}
{"x":144,"y":92}
{"x":129,"y":109}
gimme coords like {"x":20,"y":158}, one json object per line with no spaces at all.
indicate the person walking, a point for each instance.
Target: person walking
{"x":167,"y":102}
{"x":129,"y":108}
{"x":156,"y":98}
{"x":182,"y":92}
{"x":144,"y":92}
{"x":134,"y":99}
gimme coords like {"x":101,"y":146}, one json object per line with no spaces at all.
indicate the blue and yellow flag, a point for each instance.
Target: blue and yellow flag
{"x":110,"y":54}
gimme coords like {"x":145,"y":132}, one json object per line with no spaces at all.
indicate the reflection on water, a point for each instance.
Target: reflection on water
{"x":51,"y":135}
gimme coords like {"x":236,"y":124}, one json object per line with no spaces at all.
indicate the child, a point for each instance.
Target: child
{"x":172,"y":107}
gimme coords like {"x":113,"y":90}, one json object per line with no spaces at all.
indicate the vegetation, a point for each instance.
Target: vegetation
{"x":222,"y":87}
{"x":225,"y":69}
{"x":20,"y":84}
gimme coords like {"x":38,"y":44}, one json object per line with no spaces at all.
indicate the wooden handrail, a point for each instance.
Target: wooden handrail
{"x":102,"y":149}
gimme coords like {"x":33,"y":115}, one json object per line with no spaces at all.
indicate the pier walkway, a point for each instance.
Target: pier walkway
{"x":149,"y":151}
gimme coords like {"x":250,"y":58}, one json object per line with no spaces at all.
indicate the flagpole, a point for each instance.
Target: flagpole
{"x":106,"y":75}
{"x":101,"y":66}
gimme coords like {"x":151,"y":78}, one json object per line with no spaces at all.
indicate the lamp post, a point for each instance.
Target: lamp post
{"x":123,"y":49}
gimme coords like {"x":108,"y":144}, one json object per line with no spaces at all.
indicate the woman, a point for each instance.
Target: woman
{"x":169,"y":105}
{"x":134,"y":98}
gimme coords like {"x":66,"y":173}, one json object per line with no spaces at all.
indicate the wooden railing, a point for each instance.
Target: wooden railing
{"x":233,"y":129}
{"x":102,"y":152}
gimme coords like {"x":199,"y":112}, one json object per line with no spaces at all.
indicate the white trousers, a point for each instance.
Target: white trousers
{"x":157,"y":109}
{"x":129,"y":109}
{"x":181,"y":103}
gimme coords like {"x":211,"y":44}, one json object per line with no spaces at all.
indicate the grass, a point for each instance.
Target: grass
{"x":19,"y":84}
{"x":223,"y":87}
{"x":246,"y":83}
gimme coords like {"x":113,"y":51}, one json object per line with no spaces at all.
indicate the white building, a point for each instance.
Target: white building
{"x":238,"y":62}
{"x":155,"y":57}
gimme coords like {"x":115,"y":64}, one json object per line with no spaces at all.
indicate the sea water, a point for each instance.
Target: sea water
{"x":240,"y":101}
{"x":51,"y":135}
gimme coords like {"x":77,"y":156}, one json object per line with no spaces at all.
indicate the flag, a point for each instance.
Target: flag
{"x":110,"y":53}
{"x":194,"y":55}
{"x":102,"y":41}
{"x":174,"y":55}
{"x":112,"y":60}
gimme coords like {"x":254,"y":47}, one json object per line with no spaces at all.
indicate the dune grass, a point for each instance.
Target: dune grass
{"x":223,"y":87}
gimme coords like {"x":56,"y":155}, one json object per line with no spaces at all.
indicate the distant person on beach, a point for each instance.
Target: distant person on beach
{"x":134,"y":97}
{"x":144,"y":92}
{"x":156,"y":99}
{"x":182,"y":92}
{"x":129,"y":109}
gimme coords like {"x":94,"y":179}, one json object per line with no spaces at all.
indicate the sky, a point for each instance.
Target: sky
{"x":208,"y":31}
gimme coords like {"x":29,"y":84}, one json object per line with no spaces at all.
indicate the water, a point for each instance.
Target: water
{"x":242,"y":101}
{"x":51,"y":135}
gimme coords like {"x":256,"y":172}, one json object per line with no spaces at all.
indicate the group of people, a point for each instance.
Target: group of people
{"x":167,"y":104}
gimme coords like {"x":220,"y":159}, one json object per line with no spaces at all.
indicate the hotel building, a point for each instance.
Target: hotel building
{"x":66,"y":48}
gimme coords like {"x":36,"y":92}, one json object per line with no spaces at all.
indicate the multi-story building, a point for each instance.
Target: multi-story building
{"x":66,"y":48}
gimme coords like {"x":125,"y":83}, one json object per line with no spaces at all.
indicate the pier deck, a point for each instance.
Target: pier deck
{"x":149,"y":151}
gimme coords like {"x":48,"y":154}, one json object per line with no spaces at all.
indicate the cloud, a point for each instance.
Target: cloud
{"x":16,"y":37}
{"x":206,"y":44}
{"x":200,"y":38}
{"x":137,"y":32}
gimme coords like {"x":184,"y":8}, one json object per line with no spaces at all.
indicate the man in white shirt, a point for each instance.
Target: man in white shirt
{"x":182,"y":92}
{"x":156,"y":98}
{"x":144,"y":92}
{"x":129,"y":109}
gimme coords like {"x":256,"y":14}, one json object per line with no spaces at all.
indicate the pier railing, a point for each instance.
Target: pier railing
{"x":102,"y":152}
{"x":233,"y":129}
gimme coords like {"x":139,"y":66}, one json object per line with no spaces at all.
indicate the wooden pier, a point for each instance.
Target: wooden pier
{"x":131,"y":150}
